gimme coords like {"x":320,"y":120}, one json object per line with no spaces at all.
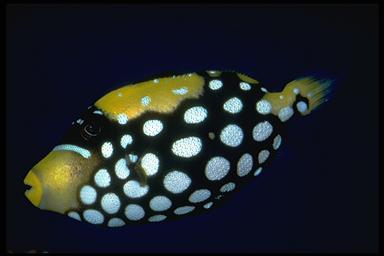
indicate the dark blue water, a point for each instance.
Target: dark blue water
{"x":321,"y":192}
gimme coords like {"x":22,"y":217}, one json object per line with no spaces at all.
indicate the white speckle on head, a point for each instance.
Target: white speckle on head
{"x":145,"y":101}
{"x":263,"y":107}
{"x":190,"y":74}
{"x":134,"y":212}
{"x":88,"y":194}
{"x":263,"y":89}
{"x":156,"y":81}
{"x":296,"y":91}
{"x":69,"y":147}
{"x":195,"y":115}
{"x":160,"y":203}
{"x":125,"y":140}
{"x":157,"y":218}
{"x":93,"y":216}
{"x":180,"y":91}
{"x":152,"y":127}
{"x":119,"y":94}
{"x":74,"y":215}
{"x":115,"y":222}
{"x":281,"y":97}
{"x":245,"y":86}
{"x":215,"y":84}
{"x":263,"y":156}
{"x":208,"y":205}
{"x":150,"y":164}
{"x":245,"y":164}
{"x":97,"y":112}
{"x":233,"y":105}
{"x":276,"y":142}
{"x":258,"y":171}
{"x":232,"y":135}
{"x":122,"y":118}
{"x":285,"y":113}
{"x":217,"y":168}
{"x":133,"y":158}
{"x":187,"y":147}
{"x":211,"y":135}
{"x":110,"y":203}
{"x":184,"y":210}
{"x":199,"y":196}
{"x":176,"y":181}
{"x":121,"y":169}
{"x":107,"y":149}
{"x":262,"y":131}
{"x":133,"y":189}
{"x":228,"y":187}
{"x":102,"y":178}
{"x":301,"y":106}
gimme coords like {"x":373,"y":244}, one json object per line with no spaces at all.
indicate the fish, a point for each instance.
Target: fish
{"x":167,"y":147}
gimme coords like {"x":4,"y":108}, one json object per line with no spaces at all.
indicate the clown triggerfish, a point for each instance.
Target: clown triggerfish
{"x":168,"y":147}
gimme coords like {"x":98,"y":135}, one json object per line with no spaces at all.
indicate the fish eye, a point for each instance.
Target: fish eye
{"x":90,"y":130}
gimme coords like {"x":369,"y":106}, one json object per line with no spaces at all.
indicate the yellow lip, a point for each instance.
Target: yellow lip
{"x":35,"y":193}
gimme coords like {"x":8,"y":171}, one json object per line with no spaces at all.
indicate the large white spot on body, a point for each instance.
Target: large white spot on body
{"x":276,"y":142}
{"x":125,"y":140}
{"x":134,"y":212}
{"x":233,"y":105}
{"x":262,"y":131}
{"x":232,"y":135}
{"x":145,"y":101}
{"x":69,"y":147}
{"x":263,"y":156}
{"x":121,"y":169}
{"x":93,"y":216}
{"x":195,"y":115}
{"x":74,"y":215}
{"x":199,"y":195}
{"x":102,"y":178}
{"x":245,"y":164}
{"x":157,"y":218}
{"x":110,"y":203}
{"x":263,"y":107}
{"x":245,"y":86}
{"x":176,"y":181}
{"x":107,"y":149}
{"x":180,"y":91}
{"x":122,"y":118}
{"x":150,"y":164}
{"x":285,"y":113}
{"x":215,"y":84}
{"x":160,"y":203}
{"x":152,"y":127}
{"x":133,"y":189}
{"x":88,"y":194}
{"x":187,"y":147}
{"x":228,"y":187}
{"x":115,"y":222}
{"x":301,"y":106}
{"x":217,"y":168}
{"x":184,"y":210}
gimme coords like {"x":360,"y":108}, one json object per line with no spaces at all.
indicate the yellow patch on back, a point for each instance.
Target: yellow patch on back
{"x":247,"y":79}
{"x":161,"y":95}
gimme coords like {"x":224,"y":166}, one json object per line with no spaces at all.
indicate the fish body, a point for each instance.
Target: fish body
{"x":168,"y":147}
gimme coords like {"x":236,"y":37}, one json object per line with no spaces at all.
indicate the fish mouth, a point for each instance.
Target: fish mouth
{"x":34,"y":191}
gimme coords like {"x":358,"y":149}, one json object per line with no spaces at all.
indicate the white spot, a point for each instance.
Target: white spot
{"x":110,"y":203}
{"x":102,"y":178}
{"x":98,"y":112}
{"x":134,"y":212}
{"x":133,"y":189}
{"x":107,"y":149}
{"x":217,"y":168}
{"x":152,"y":127}
{"x":120,"y":94}
{"x":176,"y":181}
{"x":195,"y":115}
{"x":208,"y":205}
{"x":276,"y":142}
{"x":262,"y":131}
{"x":156,"y":81}
{"x":74,"y":215}
{"x":122,"y":118}
{"x":245,"y":164}
{"x":211,"y":135}
{"x":184,"y":210}
{"x":281,"y":97}
{"x":258,"y":171}
{"x":215,"y":84}
{"x":160,"y":203}
{"x":296,"y":91}
{"x":133,"y":158}
{"x":88,"y":194}
{"x":69,"y":147}
{"x":263,"y":89}
{"x":301,"y":106}
{"x":212,"y":72}
{"x":233,"y":105}
{"x":245,"y":86}
{"x":228,"y":187}
{"x":263,"y":156}
{"x":199,"y":195}
{"x":157,"y":218}
{"x":145,"y":101}
{"x":80,"y":121}
{"x":190,"y":74}
{"x":116,"y":222}
{"x":263,"y":107}
{"x":89,"y":107}
{"x":93,"y":216}
{"x":285,"y":113}
{"x":121,"y":169}
{"x":218,"y":197}
{"x":150,"y":164}
{"x":232,"y":135}
{"x":125,"y":140}
{"x":180,"y":91}
{"x":187,"y":147}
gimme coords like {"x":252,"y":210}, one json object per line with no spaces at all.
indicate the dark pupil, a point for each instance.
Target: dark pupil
{"x":92,"y":129}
